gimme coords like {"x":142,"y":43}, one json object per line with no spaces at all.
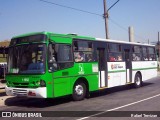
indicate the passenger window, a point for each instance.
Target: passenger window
{"x":145,"y":55}
{"x":83,"y":51}
{"x":82,"y":46}
{"x":115,"y":52}
{"x":79,"y":56}
{"x":152,"y":55}
{"x":136,"y":56}
{"x":59,"y":57}
{"x":52,"y":58}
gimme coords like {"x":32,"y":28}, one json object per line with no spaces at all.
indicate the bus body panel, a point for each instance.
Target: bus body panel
{"x":116,"y":74}
{"x":148,"y":69}
{"x":64,"y":80}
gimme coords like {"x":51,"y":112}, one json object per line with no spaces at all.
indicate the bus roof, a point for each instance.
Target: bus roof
{"x":28,"y":34}
{"x":75,"y":36}
{"x":70,"y":35}
{"x":124,"y":42}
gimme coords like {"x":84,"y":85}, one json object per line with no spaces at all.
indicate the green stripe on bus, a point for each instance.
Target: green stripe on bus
{"x":144,"y":68}
{"x":132,"y":69}
{"x":116,"y":71}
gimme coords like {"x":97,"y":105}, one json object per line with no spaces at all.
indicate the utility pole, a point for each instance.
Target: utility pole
{"x":106,"y":16}
{"x":158,"y":48}
{"x":131,"y":34}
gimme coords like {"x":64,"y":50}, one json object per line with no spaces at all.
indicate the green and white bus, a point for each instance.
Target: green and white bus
{"x":49,"y":65}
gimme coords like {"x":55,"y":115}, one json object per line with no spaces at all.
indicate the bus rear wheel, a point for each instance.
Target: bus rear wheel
{"x":79,"y":91}
{"x":137,"y":81}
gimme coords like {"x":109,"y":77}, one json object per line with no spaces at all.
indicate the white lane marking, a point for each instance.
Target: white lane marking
{"x":119,"y":107}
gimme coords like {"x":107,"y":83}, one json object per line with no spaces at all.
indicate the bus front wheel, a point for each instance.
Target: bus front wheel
{"x":137,"y":81}
{"x":79,"y":91}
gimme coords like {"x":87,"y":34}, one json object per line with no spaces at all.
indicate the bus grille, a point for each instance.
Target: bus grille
{"x":20,"y":92}
{"x":21,"y":85}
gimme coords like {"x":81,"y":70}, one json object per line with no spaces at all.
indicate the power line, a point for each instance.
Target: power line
{"x":88,"y":12}
{"x":120,"y":26}
{"x":125,"y":29}
{"x":70,"y":8}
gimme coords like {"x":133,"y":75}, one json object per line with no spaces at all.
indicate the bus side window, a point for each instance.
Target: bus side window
{"x":144,"y":53}
{"x":89,"y":57}
{"x":152,"y":54}
{"x":52,"y":64}
{"x":83,"y":51}
{"x":137,"y":54}
{"x":79,"y":56}
{"x":115,"y":52}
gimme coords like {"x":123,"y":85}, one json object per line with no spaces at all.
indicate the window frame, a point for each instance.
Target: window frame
{"x":84,"y":51}
{"x":57,"y":62}
{"x":154,"y":54}
{"x":137,"y":53}
{"x":120,"y":52}
{"x":143,"y":57}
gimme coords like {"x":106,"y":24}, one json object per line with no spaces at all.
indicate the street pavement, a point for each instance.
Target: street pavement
{"x":123,"y":98}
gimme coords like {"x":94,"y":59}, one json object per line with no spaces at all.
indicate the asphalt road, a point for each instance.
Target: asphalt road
{"x":124,"y":98}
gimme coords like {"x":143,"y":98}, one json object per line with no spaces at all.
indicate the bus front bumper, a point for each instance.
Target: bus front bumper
{"x":27,"y":92}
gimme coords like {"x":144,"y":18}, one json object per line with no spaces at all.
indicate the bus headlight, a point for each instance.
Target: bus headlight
{"x":42,"y":83}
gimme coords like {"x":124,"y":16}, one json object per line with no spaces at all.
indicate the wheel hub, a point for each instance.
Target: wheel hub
{"x":138,"y":81}
{"x":79,"y":90}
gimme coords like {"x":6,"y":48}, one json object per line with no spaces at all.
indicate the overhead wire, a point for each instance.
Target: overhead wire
{"x":125,"y":29}
{"x":70,"y":7}
{"x":88,"y":12}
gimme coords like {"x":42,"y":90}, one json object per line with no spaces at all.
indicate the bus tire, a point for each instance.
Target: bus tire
{"x":137,"y":80}
{"x":79,"y":91}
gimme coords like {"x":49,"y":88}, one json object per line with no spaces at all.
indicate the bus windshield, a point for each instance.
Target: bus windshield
{"x":26,"y":59}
